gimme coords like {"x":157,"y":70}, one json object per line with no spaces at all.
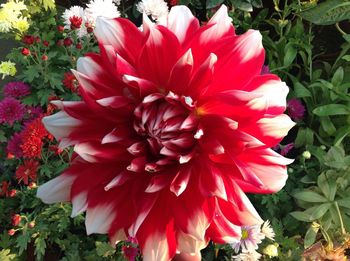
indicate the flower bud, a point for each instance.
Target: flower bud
{"x":67,"y":42}
{"x":271,"y":250}
{"x":31,"y":224}
{"x":60,"y":28}
{"x":44,"y":57}
{"x":16,"y":219}
{"x":306,"y":154}
{"x":11,"y":232}
{"x":46,"y":43}
{"x":25,"y":51}
{"x":79,"y":46}
{"x":12,"y":193}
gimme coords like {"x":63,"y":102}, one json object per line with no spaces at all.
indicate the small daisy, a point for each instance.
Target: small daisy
{"x":250,"y":238}
{"x":157,"y":9}
{"x":267,"y":230}
{"x":105,"y":8}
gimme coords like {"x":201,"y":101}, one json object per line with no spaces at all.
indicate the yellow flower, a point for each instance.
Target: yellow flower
{"x":5,"y":24}
{"x":14,"y":8}
{"x":21,"y":24}
{"x":7,"y":68}
{"x":271,"y":250}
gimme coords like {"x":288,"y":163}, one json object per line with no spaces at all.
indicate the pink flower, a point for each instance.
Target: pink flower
{"x":14,"y":145}
{"x":174,"y":126}
{"x":11,"y":110}
{"x":295,"y":109}
{"x":16,"y":89}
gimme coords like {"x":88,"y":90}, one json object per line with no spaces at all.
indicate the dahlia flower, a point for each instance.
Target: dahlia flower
{"x":174,"y":127}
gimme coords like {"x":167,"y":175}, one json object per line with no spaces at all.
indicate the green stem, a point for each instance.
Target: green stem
{"x":339,"y":29}
{"x":340,"y":219}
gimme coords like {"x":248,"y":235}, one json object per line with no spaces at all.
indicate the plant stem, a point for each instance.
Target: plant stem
{"x":339,"y":29}
{"x":340,"y":219}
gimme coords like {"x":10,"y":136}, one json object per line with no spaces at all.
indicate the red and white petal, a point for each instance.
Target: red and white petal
{"x":188,"y":244}
{"x":56,"y":190}
{"x":156,"y":248}
{"x":180,"y":182}
{"x":122,"y":34}
{"x":182,"y":23}
{"x":99,"y":218}
{"x":223,"y":24}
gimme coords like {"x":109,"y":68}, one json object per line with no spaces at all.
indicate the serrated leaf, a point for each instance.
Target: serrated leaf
{"x":328,"y":12}
{"x":48,"y":4}
{"x":104,"y":249}
{"x":22,"y":242}
{"x":310,"y":196}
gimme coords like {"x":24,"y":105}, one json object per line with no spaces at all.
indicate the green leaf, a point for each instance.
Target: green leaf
{"x":302,"y":216}
{"x":341,"y":134}
{"x":328,"y":12}
{"x":213,"y":3}
{"x":290,"y":54}
{"x":310,"y":196}
{"x":345,"y":202}
{"x":22,"y":242}
{"x":331,"y":109}
{"x":327,"y":186}
{"x":304,"y":137}
{"x":242,"y":5}
{"x":104,"y":249}
{"x":327,"y":125}
{"x":346,"y":58}
{"x":338,"y":76}
{"x":301,"y":91}
{"x":320,"y":211}
{"x":40,"y":246}
{"x":310,"y":236}
{"x":48,"y":4}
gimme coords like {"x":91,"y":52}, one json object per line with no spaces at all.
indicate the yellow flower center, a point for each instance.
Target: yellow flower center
{"x":245,"y":234}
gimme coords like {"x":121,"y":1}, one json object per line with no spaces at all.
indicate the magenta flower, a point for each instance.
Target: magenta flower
{"x":285,"y":149}
{"x":14,"y":145}
{"x":16,"y":89}
{"x":11,"y":110}
{"x":295,"y":109}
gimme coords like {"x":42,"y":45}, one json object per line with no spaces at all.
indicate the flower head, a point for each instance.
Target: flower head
{"x":251,"y":237}
{"x":130,"y":252}
{"x":287,"y":148}
{"x":7,"y":68}
{"x":163,"y":152}
{"x":75,"y":14}
{"x":11,"y":110}
{"x":70,"y":82}
{"x":295,"y":109}
{"x":157,"y":9}
{"x":105,"y":8}
{"x":27,"y":171}
{"x":16,"y":219}
{"x":4,"y":189}
{"x":16,"y":89}
{"x":267,"y":230}
{"x":14,"y":145}
{"x":271,"y":250}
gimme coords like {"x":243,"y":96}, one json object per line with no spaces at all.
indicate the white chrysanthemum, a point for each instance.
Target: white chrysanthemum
{"x":105,"y":8}
{"x":117,"y":2}
{"x":267,"y":230}
{"x":158,"y":9}
{"x":247,"y":256}
{"x":77,"y":11}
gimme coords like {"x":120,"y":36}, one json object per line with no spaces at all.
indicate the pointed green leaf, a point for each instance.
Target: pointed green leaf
{"x":310,"y":196}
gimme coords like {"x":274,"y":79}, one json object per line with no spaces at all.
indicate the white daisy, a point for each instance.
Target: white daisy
{"x":105,"y":8}
{"x":267,"y":230}
{"x":157,"y":9}
{"x":250,"y":238}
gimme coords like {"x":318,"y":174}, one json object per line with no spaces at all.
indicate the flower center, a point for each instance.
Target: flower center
{"x":245,"y":234}
{"x":166,"y":125}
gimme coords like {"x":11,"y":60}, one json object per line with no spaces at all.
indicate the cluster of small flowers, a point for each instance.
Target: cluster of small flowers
{"x":12,"y":18}
{"x":16,"y":221}
{"x":29,"y":40}
{"x":83,"y":20}
{"x":251,"y":237}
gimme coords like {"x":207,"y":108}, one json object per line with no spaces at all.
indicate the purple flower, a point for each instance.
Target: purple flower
{"x":265,"y":70}
{"x":295,"y":109}
{"x":34,"y":111}
{"x":14,"y":145}
{"x":285,"y":149}
{"x":11,"y":110}
{"x":16,"y":89}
